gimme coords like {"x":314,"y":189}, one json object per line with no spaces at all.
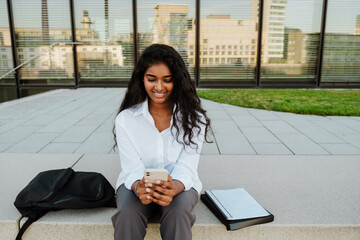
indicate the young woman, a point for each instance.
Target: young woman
{"x":160,"y":124}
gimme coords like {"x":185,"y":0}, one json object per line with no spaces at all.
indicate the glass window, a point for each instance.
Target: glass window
{"x":170,"y":22}
{"x":6,"y":60}
{"x":341,"y":61}
{"x":107,"y":34}
{"x":44,"y":25}
{"x":290,"y":50}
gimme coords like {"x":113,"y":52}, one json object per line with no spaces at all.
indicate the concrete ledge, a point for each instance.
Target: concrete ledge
{"x":311,"y":197}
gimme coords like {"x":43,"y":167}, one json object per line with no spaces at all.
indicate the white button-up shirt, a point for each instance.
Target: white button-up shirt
{"x":142,"y":146}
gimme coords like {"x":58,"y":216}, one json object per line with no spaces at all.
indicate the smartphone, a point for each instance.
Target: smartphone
{"x":155,"y":174}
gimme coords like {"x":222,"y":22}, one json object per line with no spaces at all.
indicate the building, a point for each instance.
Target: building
{"x":56,"y":58}
{"x":357,"y":26}
{"x":273,"y":29}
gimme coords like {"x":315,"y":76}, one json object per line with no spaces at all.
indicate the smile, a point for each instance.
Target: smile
{"x":159,"y":94}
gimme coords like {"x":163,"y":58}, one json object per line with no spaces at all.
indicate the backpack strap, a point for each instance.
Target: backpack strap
{"x":24,"y":227}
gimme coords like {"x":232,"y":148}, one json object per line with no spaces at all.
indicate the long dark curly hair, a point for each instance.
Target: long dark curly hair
{"x":184,"y":94}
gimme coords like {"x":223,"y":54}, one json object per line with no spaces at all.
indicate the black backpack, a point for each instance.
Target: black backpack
{"x":54,"y":190}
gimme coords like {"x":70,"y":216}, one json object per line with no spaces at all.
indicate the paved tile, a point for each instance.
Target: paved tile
{"x":279,"y":127}
{"x":59,"y":125}
{"x":75,"y":134}
{"x":259,"y":135}
{"x":263,"y":115}
{"x":299,"y":122}
{"x":334,"y":127}
{"x":107,"y":126}
{"x":320,"y":135}
{"x":235,"y":111}
{"x":224,"y":126}
{"x":60,"y":148}
{"x":353,"y":139}
{"x":18,"y":133}
{"x":300,"y":144}
{"x":42,"y":120}
{"x":347,"y":121}
{"x":92,"y":119}
{"x":6,"y":145}
{"x":233,"y":144}
{"x":341,"y":149}
{"x":271,"y":149}
{"x":99,"y":143}
{"x":313,"y":117}
{"x":218,"y":115}
{"x":3,"y":121}
{"x":86,"y":116}
{"x":9,"y":125}
{"x":210,"y":105}
{"x":33,"y":143}
{"x":246,"y":121}
{"x":209,"y":149}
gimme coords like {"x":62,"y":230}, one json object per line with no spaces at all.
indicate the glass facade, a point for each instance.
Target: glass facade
{"x":341,"y":61}
{"x":43,"y":37}
{"x":229,"y":43}
{"x":290,"y":41}
{"x":105,"y":31}
{"x":6,"y":58}
{"x":170,"y":23}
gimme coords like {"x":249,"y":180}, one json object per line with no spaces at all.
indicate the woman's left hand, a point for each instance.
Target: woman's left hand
{"x":163,"y":192}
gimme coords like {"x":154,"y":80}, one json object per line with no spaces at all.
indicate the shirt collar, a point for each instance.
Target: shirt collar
{"x":143,"y":109}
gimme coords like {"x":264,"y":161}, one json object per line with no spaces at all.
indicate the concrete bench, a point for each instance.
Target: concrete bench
{"x":311,"y":197}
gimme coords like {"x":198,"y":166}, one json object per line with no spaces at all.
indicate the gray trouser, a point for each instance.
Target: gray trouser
{"x":131,"y":219}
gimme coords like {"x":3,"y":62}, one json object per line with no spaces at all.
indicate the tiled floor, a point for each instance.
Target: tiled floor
{"x":81,"y":121}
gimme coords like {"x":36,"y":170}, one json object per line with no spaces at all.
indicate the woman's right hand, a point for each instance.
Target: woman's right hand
{"x":143,"y":192}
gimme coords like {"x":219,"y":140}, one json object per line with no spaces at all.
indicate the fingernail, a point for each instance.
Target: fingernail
{"x":148,"y":190}
{"x":148,"y":197}
{"x":158,"y":181}
{"x":146,"y":180}
{"x":150,"y":184}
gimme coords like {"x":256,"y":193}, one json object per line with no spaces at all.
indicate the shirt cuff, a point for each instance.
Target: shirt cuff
{"x":186,"y":180}
{"x":133,"y":177}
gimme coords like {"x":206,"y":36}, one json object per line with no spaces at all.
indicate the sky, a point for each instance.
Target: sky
{"x":302,"y":14}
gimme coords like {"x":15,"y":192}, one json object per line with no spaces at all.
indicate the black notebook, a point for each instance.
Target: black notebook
{"x":235,"y":208}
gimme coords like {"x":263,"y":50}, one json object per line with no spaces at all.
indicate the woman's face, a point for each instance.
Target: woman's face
{"x":158,"y":83}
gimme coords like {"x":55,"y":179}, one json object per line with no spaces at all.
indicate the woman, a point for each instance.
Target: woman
{"x":160,"y":124}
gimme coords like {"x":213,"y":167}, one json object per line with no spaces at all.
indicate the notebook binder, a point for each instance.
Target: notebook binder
{"x":221,"y":203}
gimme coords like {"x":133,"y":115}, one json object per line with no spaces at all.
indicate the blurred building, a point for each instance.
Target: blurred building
{"x":235,"y":43}
{"x":357,"y":26}
{"x":170,"y":25}
{"x":295,"y":46}
{"x":273,"y":29}
{"x":91,"y":52}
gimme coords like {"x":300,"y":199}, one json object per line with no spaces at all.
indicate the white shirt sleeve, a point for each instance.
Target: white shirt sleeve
{"x":185,"y":169}
{"x":131,"y":164}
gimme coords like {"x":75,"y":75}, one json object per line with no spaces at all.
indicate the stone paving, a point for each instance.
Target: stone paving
{"x":81,"y":121}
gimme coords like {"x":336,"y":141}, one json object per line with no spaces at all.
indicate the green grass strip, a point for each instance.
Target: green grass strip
{"x":323,"y":102}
